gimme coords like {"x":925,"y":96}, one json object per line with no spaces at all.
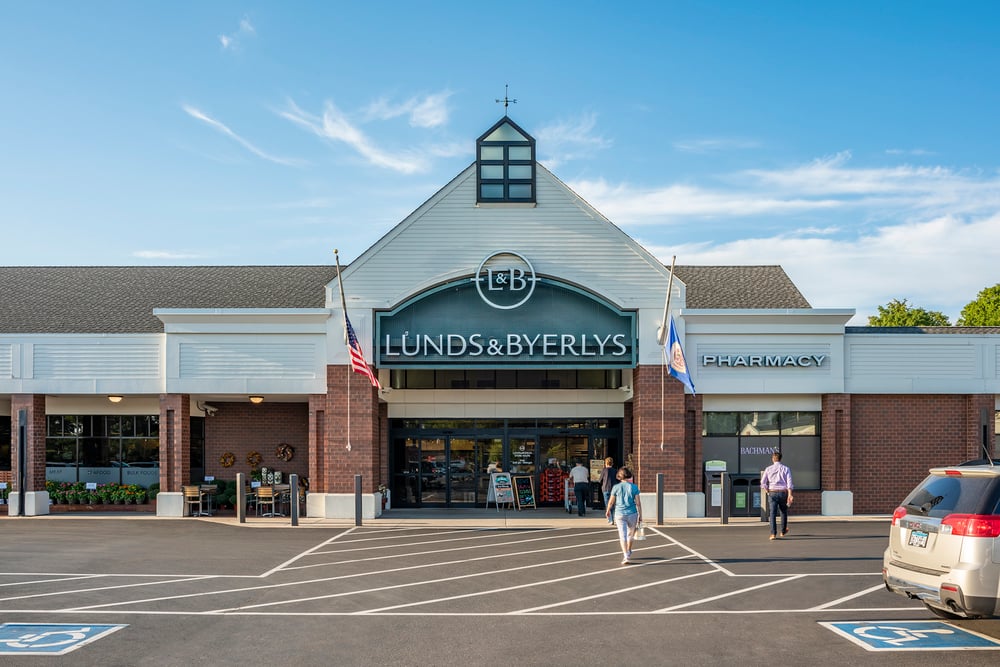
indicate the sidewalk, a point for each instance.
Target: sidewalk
{"x":524,"y":519}
{"x":468,"y":518}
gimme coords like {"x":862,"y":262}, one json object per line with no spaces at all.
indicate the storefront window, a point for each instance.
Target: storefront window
{"x":745,"y":441}
{"x":103,"y":448}
{"x":590,"y":378}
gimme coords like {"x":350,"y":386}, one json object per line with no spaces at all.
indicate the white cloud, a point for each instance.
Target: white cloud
{"x":675,"y":203}
{"x":823,"y":184}
{"x":925,"y":234}
{"x":334,"y":126}
{"x":233,"y":41}
{"x":570,"y":139}
{"x":211,"y":122}
{"x":939,"y":264}
{"x":427,"y":111}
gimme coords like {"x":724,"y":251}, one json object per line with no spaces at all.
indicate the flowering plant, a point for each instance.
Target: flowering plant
{"x":383,"y":489}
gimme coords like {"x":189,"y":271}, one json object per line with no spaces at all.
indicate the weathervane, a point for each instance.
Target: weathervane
{"x":506,"y":99}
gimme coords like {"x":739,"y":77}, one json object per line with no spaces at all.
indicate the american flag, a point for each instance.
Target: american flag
{"x":358,"y":362}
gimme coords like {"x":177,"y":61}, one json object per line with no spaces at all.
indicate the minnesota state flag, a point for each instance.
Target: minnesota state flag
{"x":676,"y":365}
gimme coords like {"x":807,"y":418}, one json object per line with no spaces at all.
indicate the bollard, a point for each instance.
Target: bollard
{"x":724,"y":511}
{"x":659,"y":499}
{"x":293,"y":495}
{"x":357,"y":500}
{"x":241,"y":499}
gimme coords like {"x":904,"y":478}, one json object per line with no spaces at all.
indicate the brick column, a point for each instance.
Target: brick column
{"x":835,"y":442}
{"x":660,"y":423}
{"x":362,"y":434}
{"x":318,"y":445}
{"x":175,"y":441}
{"x":34,"y":405}
{"x":979,"y":406}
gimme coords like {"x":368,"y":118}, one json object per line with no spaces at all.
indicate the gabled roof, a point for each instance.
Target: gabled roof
{"x":121,"y":299}
{"x":741,"y":287}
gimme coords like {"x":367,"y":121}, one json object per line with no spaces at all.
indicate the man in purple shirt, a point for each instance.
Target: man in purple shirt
{"x":776,"y":481}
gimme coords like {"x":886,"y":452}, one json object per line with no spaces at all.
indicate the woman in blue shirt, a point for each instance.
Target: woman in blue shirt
{"x":624,"y":502}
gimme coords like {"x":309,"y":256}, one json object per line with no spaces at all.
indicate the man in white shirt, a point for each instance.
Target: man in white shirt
{"x":580,"y":477}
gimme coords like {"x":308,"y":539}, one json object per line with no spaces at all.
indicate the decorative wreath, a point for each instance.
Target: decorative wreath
{"x":254,"y":458}
{"x":284,"y":452}
{"x":227,"y":459}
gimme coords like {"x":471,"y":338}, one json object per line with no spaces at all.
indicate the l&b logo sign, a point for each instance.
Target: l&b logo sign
{"x":505,"y":280}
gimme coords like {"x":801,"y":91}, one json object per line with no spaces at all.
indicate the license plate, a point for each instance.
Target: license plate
{"x":918,"y":538}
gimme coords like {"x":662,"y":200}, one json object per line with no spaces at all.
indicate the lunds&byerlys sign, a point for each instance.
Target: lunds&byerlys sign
{"x":506,"y":316}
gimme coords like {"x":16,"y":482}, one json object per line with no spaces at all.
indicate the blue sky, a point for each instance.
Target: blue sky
{"x":853,"y":143}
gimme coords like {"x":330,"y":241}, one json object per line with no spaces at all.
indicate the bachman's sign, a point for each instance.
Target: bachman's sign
{"x":506,"y":316}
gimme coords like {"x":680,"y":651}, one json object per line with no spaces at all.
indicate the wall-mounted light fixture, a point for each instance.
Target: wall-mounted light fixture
{"x":256,"y":399}
{"x":115,"y":398}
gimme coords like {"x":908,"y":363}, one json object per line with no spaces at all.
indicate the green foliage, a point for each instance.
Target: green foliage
{"x":984,"y":311}
{"x":898,"y":313}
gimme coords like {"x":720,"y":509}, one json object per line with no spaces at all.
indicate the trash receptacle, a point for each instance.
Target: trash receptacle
{"x":739,"y":495}
{"x":756,"y":497}
{"x":765,"y":507}
{"x":714,"y":470}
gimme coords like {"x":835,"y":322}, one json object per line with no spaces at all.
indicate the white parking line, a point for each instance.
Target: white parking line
{"x":441,"y":551}
{"x":77,"y":591}
{"x":834,"y":603}
{"x":49,"y":581}
{"x":730,"y":594}
{"x":617,"y":591}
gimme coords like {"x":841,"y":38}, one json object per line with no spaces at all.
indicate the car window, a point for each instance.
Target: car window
{"x":940,"y":496}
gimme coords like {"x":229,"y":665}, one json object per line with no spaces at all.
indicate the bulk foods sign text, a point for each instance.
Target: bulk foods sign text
{"x":505,"y":316}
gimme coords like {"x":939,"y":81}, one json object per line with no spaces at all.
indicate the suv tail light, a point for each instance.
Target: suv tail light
{"x":898,"y":514}
{"x":971,"y":525}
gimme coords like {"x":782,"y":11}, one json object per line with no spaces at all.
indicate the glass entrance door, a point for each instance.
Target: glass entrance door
{"x":462,"y":457}
{"x":450,"y":472}
{"x":433,"y":471}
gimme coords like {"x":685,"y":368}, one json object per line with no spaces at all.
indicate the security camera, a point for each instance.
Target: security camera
{"x":209,"y":410}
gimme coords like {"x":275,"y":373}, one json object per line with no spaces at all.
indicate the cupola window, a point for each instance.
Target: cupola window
{"x":505,"y":165}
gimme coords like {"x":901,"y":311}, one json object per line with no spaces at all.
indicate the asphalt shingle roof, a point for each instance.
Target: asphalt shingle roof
{"x":740,"y":287}
{"x":121,"y":299}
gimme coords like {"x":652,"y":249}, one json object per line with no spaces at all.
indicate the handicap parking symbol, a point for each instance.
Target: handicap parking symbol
{"x":911,"y":636}
{"x":49,"y":638}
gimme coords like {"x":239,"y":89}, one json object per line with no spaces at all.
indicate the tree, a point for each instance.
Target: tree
{"x":984,"y":311}
{"x":898,"y":313}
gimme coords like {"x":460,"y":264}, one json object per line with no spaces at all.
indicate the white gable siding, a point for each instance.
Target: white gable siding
{"x":449,"y":236}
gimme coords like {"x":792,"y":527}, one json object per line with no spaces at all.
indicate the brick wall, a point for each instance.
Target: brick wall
{"x":242,"y":427}
{"x":661,"y":443}
{"x":895,"y":439}
{"x":364,"y":433}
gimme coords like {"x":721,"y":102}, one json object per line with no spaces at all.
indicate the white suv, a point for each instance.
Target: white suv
{"x":944,"y":543}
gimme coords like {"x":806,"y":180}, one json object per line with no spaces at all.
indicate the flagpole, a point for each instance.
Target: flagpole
{"x":343,"y":303}
{"x":661,"y":333}
{"x":661,"y":340}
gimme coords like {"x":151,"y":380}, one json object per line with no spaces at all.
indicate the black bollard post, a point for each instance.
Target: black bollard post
{"x":293,"y":497}
{"x":357,"y":500}
{"x":241,"y":499}
{"x":659,"y":499}
{"x":724,"y":511}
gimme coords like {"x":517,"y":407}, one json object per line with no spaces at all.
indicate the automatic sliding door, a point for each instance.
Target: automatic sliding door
{"x":433,"y":471}
{"x":462,"y":458}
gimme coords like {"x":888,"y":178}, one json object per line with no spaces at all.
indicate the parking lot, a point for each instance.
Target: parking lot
{"x":180,"y":591}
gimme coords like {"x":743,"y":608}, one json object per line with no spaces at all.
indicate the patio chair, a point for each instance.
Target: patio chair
{"x":192,"y":497}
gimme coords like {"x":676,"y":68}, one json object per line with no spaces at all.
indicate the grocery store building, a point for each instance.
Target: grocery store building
{"x":509,"y":324}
